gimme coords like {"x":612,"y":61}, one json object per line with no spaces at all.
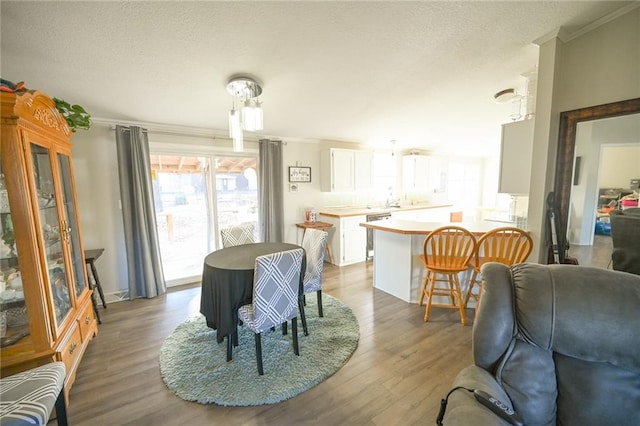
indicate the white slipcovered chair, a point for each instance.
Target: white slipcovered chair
{"x":276,"y":290}
{"x":237,"y":235}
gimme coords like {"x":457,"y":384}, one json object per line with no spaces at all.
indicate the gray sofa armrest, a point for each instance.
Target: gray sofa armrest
{"x":464,"y":410}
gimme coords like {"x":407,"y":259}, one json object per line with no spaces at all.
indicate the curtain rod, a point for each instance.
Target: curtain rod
{"x":127,"y":129}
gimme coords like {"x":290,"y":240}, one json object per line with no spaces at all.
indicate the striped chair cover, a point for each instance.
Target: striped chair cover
{"x":28,"y":398}
{"x":314,"y":242}
{"x":237,"y":235}
{"x":276,"y":286}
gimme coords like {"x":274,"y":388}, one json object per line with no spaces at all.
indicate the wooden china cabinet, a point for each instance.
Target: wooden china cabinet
{"x":45,"y":302}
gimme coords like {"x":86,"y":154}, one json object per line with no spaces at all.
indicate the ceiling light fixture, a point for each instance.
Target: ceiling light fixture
{"x":245,"y":92}
{"x":506,"y":95}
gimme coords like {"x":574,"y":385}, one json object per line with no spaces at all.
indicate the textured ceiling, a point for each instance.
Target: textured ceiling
{"x":421,"y":73}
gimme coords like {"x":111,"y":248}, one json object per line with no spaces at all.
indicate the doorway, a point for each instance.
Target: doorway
{"x":194,"y":197}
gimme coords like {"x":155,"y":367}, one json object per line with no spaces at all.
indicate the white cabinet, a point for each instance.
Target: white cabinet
{"x":415,"y":173}
{"x":354,"y":240}
{"x":363,"y":170}
{"x":515,"y":157}
{"x":343,"y":170}
{"x":423,"y":175}
{"x":349,"y":242}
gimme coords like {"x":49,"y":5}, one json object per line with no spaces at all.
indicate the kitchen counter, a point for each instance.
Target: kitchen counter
{"x":410,"y":227}
{"x":360,"y":211}
{"x":397,"y":268}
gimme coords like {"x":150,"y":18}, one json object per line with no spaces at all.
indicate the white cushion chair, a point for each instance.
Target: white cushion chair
{"x":237,"y":235}
{"x":276,"y":290}
{"x":314,"y":242}
{"x":28,"y":398}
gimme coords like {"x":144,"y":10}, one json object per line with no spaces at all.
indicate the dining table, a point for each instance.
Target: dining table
{"x":227,"y":284}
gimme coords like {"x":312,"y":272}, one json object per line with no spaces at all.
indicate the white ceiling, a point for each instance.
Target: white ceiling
{"x":422,"y":73}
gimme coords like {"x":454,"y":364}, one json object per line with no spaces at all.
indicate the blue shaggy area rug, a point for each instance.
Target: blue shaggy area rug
{"x":193,"y":365}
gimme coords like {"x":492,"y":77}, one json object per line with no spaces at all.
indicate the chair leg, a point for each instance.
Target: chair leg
{"x":259,"y":354}
{"x":472,"y":282}
{"x":61,"y":409}
{"x":431,"y":286}
{"x":229,"y":347}
{"x":302,"y":315}
{"x":458,"y":296}
{"x":451,"y":290}
{"x":294,"y":332}
{"x":284,"y":328}
{"x":320,"y":314}
{"x":424,"y":287}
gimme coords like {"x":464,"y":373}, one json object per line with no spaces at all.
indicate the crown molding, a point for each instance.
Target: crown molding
{"x":565,"y":36}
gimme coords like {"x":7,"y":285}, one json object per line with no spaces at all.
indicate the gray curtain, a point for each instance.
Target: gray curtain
{"x":270,"y":194}
{"x":141,"y":236}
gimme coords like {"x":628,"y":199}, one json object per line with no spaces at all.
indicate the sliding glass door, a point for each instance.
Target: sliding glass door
{"x":195,"y":196}
{"x":236,"y":193}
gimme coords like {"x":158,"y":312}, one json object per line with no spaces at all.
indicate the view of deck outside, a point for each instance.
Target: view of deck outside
{"x":190,"y":211}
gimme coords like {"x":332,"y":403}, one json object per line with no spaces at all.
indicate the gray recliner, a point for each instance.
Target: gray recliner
{"x":625,"y":236}
{"x":560,"y":344}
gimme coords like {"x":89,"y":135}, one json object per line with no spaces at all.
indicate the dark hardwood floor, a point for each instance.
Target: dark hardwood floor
{"x":598,"y":255}
{"x":397,"y":375}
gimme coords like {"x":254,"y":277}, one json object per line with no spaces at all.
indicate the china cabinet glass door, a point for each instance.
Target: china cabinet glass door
{"x":14,"y":322}
{"x":70,"y":232}
{"x":53,"y":236}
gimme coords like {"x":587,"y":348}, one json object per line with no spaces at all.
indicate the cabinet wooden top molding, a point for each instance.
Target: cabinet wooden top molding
{"x":35,"y":110}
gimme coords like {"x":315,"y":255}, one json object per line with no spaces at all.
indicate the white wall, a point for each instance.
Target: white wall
{"x":96,"y":172}
{"x":619,"y":164}
{"x":599,"y":67}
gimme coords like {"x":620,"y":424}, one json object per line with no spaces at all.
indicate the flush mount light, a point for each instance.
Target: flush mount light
{"x":505,"y":96}
{"x":245,"y":92}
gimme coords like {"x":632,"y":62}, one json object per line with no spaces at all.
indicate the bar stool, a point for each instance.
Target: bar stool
{"x":322,"y":226}
{"x":90,"y":257}
{"x":28,"y":398}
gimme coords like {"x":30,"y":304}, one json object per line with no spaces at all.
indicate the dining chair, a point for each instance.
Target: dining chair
{"x":314,"y":242}
{"x":507,"y":245}
{"x":29,"y":397}
{"x":446,"y":253}
{"x":237,"y":235}
{"x":276,"y":288}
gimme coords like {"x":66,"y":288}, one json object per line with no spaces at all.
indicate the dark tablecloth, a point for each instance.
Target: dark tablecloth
{"x":227,"y":283}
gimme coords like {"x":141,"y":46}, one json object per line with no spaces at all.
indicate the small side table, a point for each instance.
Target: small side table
{"x":323,"y":226}
{"x":90,"y":257}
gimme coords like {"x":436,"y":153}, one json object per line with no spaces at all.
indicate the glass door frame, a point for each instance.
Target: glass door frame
{"x":174,"y":148}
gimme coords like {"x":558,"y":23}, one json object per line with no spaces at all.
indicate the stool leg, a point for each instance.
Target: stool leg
{"x":93,"y":299}
{"x":98,"y":285}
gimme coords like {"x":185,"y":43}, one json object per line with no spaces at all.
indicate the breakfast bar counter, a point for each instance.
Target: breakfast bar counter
{"x":397,"y":268}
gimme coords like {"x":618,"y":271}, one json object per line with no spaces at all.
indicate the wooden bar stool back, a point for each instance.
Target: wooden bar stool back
{"x":446,"y":253}
{"x":506,"y":245}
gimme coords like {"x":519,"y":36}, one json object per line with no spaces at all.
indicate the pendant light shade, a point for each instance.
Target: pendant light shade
{"x":245,"y":92}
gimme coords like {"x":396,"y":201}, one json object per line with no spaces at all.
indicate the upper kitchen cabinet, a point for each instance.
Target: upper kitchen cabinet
{"x":423,"y":175}
{"x":343,"y":170}
{"x":45,"y":302}
{"x":515,"y":157}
